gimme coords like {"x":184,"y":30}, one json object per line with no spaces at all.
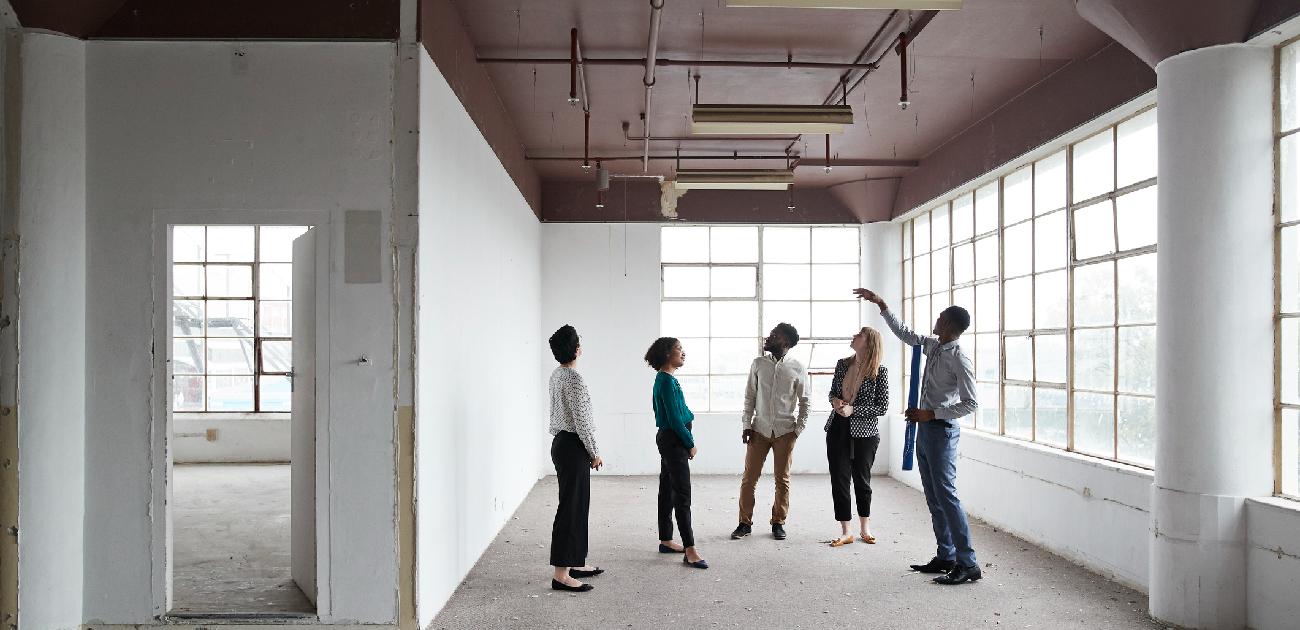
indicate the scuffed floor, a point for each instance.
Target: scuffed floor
{"x":759,"y":582}
{"x":231,"y":541}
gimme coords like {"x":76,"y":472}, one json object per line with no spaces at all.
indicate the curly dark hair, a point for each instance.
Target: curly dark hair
{"x":790,"y":333}
{"x":660,"y":350}
{"x":958,"y":317}
{"x":564,"y":344}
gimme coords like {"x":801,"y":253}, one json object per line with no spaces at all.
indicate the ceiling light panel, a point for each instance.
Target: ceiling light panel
{"x":769,"y":119}
{"x":915,"y":5}
{"x":749,"y":179}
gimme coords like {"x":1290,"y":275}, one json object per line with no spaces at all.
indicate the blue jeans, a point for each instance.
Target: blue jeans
{"x":936,"y":458}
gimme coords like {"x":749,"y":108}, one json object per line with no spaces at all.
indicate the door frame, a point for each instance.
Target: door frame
{"x":161,"y":425}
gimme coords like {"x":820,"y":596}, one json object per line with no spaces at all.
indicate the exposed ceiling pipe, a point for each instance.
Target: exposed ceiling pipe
{"x":651,"y":52}
{"x":627,"y":135}
{"x":808,"y":162}
{"x":694,"y":63}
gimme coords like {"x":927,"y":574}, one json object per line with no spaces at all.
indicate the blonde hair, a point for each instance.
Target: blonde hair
{"x":873,"y":346}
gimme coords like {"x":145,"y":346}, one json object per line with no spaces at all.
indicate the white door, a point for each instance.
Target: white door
{"x":303,"y":451}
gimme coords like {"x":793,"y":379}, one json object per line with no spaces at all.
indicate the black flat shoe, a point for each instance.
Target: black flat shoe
{"x":778,"y":531}
{"x":583,"y":573}
{"x":960,"y":575}
{"x":557,"y":585}
{"x":666,"y":549}
{"x":699,"y":564}
{"x":935,"y":565}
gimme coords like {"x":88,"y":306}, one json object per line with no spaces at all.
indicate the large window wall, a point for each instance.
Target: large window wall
{"x":725,"y":287}
{"x":1056,"y":263}
{"x":1288,"y":289}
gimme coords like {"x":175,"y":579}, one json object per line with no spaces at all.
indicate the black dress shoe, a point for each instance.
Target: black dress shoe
{"x":778,"y":531}
{"x":935,"y":565}
{"x":583,"y":573}
{"x":960,"y":575}
{"x":557,"y":585}
{"x":742,"y":530}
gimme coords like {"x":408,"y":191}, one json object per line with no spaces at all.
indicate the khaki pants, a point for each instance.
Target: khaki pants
{"x":755,"y":458}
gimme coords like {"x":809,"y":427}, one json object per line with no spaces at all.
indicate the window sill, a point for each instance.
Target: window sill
{"x":1285,"y":505}
{"x":224,"y":416}
{"x":1064,"y":455}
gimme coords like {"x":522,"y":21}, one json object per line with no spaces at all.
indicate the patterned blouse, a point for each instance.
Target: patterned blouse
{"x":869,"y":405}
{"x":571,"y":407}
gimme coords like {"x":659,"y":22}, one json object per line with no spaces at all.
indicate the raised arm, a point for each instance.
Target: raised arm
{"x":578,"y":402}
{"x":904,"y":334}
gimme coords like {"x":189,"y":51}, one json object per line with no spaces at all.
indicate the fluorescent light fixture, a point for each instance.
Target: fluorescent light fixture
{"x":769,"y":119}
{"x":916,"y":5}
{"x":748,"y":179}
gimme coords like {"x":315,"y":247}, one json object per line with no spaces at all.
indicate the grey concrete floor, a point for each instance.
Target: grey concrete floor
{"x":230,"y":537}
{"x":759,"y":582}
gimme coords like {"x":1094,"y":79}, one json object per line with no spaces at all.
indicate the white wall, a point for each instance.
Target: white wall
{"x":480,"y":425}
{"x":52,"y":330}
{"x":214,"y":128}
{"x":1272,"y":563}
{"x":235,"y":437}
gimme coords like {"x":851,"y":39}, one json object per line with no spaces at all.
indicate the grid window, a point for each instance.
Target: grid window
{"x":725,"y":287}
{"x":1287,"y":432}
{"x":231,"y":314}
{"x":1056,"y":262}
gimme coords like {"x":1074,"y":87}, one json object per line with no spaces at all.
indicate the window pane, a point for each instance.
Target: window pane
{"x":787,"y":282}
{"x":1018,"y":256}
{"x":277,"y":356}
{"x":727,"y":393}
{"x":684,"y":244}
{"x":1020,"y":359}
{"x":1289,"y":271}
{"x":819,"y":399}
{"x":987,"y":356}
{"x":733,"y":244}
{"x":1094,"y":359}
{"x":1049,"y":242}
{"x":1290,"y":452}
{"x":1137,"y":218}
{"x":230,"y":280}
{"x":801,"y":353}
{"x":793,"y":313}
{"x":695,"y":389}
{"x":230,"y":318}
{"x":275,"y":282}
{"x":986,"y":208}
{"x":825,"y":355}
{"x":963,"y":218}
{"x":1094,"y":230}
{"x":276,"y":244}
{"x":988,"y":409}
{"x":230,"y":393}
{"x":1019,"y":412}
{"x":907,"y":278}
{"x":684,"y":319}
{"x":1017,"y":196}
{"x":1049,"y":300}
{"x":834,"y":282}
{"x":1094,"y":294}
{"x":1094,"y":424}
{"x":1137,"y":429}
{"x":907,"y":239}
{"x":734,"y":319}
{"x":1049,"y":358}
{"x":696,"y":353}
{"x":938,"y":302}
{"x":276,"y":393}
{"x":1289,"y":70}
{"x":909,"y":310}
{"x":986,"y":307}
{"x":786,"y":245}
{"x":1019,"y":304}
{"x":986,"y":257}
{"x":1290,"y":355}
{"x":734,"y":282}
{"x":732,"y":356}
{"x":187,"y":280}
{"x":921,"y":233}
{"x":1137,"y":359}
{"x":939,"y":226}
{"x":963,"y":263}
{"x":230,"y":243}
{"x":187,"y":393}
{"x":275,"y":319}
{"x":921,"y":275}
{"x":1049,"y":183}
{"x":836,"y":245}
{"x":1137,"y":289}
{"x":1094,"y":166}
{"x":940,"y":267}
{"x":1136,"y":153}
{"x":188,"y":244}
{"x":834,"y":319}
{"x":686,"y":282}
{"x":187,"y":356}
{"x":921,"y":321}
{"x":1289,"y":177}
{"x":230,"y":356}
{"x":187,"y":318}
{"x":1049,"y":416}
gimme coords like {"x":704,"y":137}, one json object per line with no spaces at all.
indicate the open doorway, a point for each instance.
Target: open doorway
{"x":241,"y":432}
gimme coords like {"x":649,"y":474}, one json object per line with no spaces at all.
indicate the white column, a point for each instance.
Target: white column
{"x":882,"y":272}
{"x":1215,"y":348}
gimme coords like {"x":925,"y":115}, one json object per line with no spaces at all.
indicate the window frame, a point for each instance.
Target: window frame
{"x":1281,"y":484}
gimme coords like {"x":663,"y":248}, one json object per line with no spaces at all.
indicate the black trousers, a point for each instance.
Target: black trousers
{"x":674,"y":486}
{"x":850,"y":458}
{"x":573,"y":472}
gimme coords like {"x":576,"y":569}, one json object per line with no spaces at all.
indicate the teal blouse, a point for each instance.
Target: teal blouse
{"x":670,"y":407}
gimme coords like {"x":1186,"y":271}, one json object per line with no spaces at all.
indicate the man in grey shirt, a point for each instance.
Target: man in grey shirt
{"x":947,"y":395}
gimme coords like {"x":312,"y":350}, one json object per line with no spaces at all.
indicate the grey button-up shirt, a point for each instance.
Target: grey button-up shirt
{"x":948,"y":386}
{"x":776,"y":398}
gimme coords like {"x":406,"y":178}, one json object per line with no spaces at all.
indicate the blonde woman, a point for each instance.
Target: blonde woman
{"x":859,"y":397}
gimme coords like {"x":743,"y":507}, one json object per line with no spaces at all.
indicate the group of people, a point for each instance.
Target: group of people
{"x":775,"y":414}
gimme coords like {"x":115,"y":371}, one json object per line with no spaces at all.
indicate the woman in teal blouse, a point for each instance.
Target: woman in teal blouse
{"x":676,"y":449}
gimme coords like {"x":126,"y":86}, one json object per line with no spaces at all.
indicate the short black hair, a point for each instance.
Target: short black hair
{"x":790,"y":333}
{"x":958,"y":317}
{"x":660,"y":350}
{"x":564,"y":344}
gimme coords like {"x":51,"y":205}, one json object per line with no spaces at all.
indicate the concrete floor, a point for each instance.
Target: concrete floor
{"x":230,"y":536}
{"x":759,"y":582}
